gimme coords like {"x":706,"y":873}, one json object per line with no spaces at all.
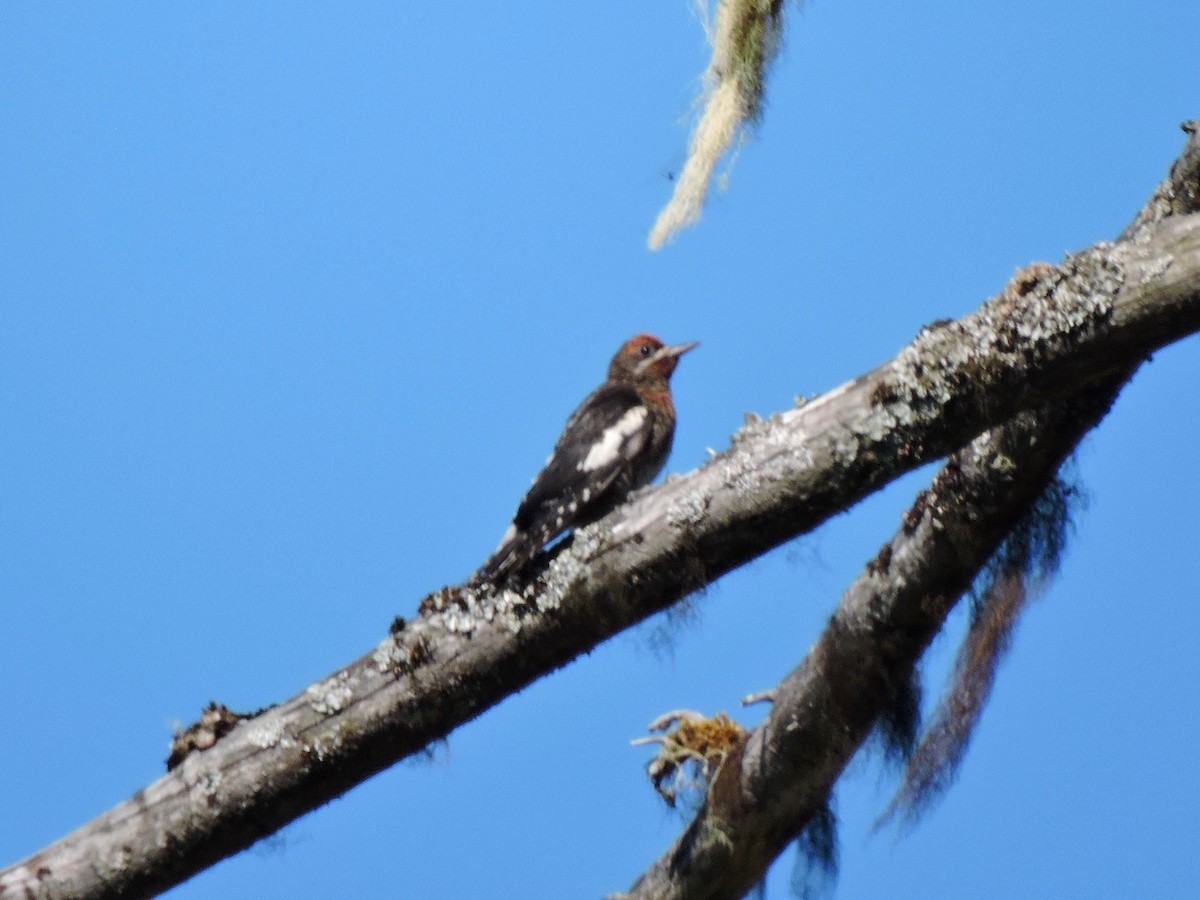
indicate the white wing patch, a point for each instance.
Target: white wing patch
{"x":608,"y":449}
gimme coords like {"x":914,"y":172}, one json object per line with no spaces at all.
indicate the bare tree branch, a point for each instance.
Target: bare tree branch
{"x":781,"y":779}
{"x":1098,"y":312}
{"x":823,"y":711}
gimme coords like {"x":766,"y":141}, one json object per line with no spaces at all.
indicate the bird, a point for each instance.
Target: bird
{"x":615,"y":442}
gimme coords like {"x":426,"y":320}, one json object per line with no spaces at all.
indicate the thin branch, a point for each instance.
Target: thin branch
{"x":1100,"y":310}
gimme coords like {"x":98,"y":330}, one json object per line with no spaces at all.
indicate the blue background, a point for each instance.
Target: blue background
{"x":297,"y":297}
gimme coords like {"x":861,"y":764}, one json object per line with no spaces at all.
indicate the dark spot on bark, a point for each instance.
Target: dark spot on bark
{"x":882,"y":560}
{"x":915,"y":513}
{"x":214,"y":723}
{"x":883,"y":393}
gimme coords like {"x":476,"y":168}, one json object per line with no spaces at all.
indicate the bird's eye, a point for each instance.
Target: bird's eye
{"x":645,"y":349}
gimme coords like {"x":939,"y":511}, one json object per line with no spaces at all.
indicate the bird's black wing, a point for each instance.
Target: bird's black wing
{"x":593,"y":453}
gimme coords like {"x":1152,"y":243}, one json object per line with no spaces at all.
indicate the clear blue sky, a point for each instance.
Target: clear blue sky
{"x":296,"y":298}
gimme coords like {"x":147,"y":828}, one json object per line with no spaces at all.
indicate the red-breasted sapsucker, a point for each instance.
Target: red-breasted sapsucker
{"x":615,"y":442}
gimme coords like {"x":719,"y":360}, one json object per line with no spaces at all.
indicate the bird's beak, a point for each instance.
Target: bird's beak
{"x":678,"y":349}
{"x":672,"y":353}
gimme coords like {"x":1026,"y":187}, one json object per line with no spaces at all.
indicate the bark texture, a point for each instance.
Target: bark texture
{"x":1057,"y":332}
{"x":826,"y":708}
{"x":822,"y":713}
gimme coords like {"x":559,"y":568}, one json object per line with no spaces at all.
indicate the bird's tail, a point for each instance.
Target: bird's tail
{"x":516,"y":549}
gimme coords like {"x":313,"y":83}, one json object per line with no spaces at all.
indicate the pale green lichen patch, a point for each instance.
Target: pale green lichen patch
{"x":458,"y":610}
{"x":688,"y":511}
{"x":1156,"y":269}
{"x":461,"y":611}
{"x":266,"y":734}
{"x":569,"y":566}
{"x":458,"y":621}
{"x":400,"y":653}
{"x":1062,"y":304}
{"x":576,"y":565}
{"x":739,"y":473}
{"x":845,"y":442}
{"x":390,"y":655}
{"x":332,"y":695}
{"x":1039,"y":314}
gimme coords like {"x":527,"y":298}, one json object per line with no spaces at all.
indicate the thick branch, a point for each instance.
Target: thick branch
{"x":825,"y":709}
{"x":1100,"y":310}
